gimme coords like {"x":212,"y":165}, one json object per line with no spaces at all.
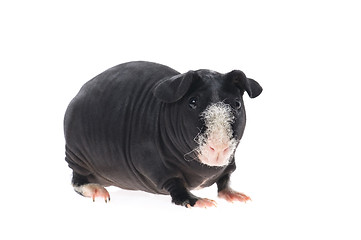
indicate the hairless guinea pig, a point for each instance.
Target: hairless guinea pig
{"x":144,"y":126}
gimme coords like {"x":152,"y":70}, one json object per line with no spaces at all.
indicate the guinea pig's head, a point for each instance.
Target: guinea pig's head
{"x":209,"y":110}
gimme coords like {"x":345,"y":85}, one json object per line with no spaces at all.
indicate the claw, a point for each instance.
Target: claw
{"x":93,"y":191}
{"x":205,"y":203}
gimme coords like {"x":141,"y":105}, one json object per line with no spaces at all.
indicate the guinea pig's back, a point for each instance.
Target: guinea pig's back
{"x":98,"y":121}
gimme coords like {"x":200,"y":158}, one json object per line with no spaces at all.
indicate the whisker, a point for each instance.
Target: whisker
{"x":189,"y":154}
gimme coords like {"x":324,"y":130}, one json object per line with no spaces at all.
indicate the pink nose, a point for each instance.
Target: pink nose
{"x":221,"y":148}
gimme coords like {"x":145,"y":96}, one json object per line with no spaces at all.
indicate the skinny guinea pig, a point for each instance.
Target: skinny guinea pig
{"x":144,"y":126}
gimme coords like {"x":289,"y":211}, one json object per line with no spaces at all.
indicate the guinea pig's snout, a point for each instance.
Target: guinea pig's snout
{"x":215,"y":153}
{"x":216,"y":143}
{"x":219,"y":148}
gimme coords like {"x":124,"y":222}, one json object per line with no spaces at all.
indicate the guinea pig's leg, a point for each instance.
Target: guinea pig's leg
{"x":83,"y":187}
{"x":181,"y":196}
{"x":227,"y":193}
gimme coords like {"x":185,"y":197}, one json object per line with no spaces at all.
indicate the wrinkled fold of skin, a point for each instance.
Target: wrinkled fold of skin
{"x":216,"y":144}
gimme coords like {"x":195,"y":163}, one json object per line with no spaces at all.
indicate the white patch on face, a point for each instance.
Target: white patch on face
{"x":216,"y":144}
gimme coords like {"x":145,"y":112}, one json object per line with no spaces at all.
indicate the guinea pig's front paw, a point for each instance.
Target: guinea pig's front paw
{"x":230,"y":195}
{"x":188,"y":201}
{"x":205,"y":202}
{"x":199,"y":202}
{"x":193,"y":201}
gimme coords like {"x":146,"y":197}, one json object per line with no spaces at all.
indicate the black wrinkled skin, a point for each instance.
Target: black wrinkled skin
{"x":121,"y":130}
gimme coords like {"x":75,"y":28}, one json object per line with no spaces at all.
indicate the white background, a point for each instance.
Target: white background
{"x":299,"y":159}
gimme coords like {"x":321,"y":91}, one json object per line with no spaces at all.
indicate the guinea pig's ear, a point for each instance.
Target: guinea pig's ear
{"x":239,"y":79}
{"x":174,"y":88}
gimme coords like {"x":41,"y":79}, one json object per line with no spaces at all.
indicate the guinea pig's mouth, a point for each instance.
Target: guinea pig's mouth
{"x":216,"y":155}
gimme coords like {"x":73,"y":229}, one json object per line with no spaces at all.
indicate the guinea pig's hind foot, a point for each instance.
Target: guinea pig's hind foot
{"x":93,"y":190}
{"x":230,"y":195}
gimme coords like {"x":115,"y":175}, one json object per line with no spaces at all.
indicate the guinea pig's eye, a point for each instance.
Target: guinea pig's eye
{"x":193,"y":102}
{"x":237,"y":104}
